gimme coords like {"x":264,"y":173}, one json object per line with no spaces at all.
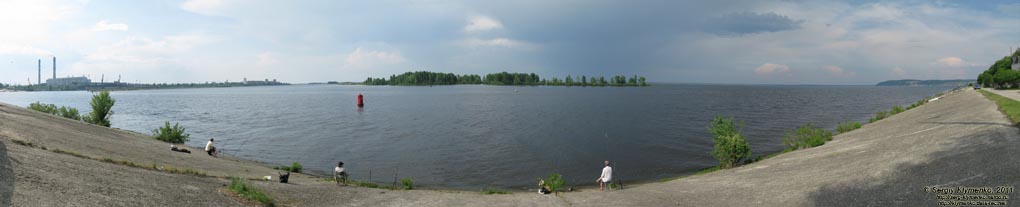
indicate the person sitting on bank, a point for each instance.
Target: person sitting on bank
{"x":543,"y":188}
{"x":339,"y":173}
{"x":179,"y":149}
{"x":209,"y":148}
{"x":607,"y":176}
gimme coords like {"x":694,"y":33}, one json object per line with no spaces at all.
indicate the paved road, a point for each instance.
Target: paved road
{"x":1013,"y":94}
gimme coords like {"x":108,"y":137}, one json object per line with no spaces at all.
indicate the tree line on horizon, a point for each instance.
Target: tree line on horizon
{"x":419,"y":78}
{"x":1000,"y":75}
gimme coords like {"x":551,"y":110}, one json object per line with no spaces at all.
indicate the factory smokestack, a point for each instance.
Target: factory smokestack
{"x":39,"y":68}
{"x":54,"y":67}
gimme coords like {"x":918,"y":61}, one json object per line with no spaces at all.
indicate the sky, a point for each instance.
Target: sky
{"x":732,"y":42}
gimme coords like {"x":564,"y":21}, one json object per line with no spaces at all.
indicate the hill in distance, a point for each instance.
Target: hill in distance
{"x":912,"y":82}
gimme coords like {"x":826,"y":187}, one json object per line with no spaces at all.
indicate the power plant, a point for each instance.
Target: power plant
{"x":85,"y":83}
{"x":69,"y":81}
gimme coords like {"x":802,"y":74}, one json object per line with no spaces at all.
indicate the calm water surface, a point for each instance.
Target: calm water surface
{"x":471,"y":137}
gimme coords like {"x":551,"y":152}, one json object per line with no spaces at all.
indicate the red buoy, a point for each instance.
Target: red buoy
{"x":361,"y":100}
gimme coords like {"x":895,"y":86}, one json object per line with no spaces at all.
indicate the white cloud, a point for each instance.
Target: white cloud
{"x":950,"y":61}
{"x":771,"y":68}
{"x":877,"y":11}
{"x":205,"y":7}
{"x":839,"y":72}
{"x":482,"y":23}
{"x":105,"y":26}
{"x":365,"y":58}
{"x":16,"y":49}
{"x":498,"y":42}
{"x":29,"y":23}
{"x":140,"y":56}
{"x":898,"y":71}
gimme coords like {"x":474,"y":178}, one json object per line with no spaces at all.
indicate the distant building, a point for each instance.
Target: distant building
{"x":69,"y":81}
{"x":260,"y":82}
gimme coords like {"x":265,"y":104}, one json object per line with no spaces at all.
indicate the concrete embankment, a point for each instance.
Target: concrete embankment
{"x":959,"y":140}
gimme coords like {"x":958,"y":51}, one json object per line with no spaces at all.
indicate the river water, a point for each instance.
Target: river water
{"x":474,"y":136}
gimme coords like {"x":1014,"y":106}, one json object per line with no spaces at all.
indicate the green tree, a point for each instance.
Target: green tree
{"x":730,"y":145}
{"x":101,"y":109}
{"x":174,"y":134}
{"x":569,"y":81}
{"x":584,"y":80}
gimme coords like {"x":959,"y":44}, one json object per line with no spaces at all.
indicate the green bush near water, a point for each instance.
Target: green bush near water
{"x":66,"y":112}
{"x":170,"y":134}
{"x":101,"y":113}
{"x":806,"y":136}
{"x":555,"y":182}
{"x":895,"y":110}
{"x":919,"y":103}
{"x":407,"y":183}
{"x":879,"y":116}
{"x":848,"y":126}
{"x":243,"y":190}
{"x":730,"y":146}
{"x":45,"y":108}
{"x":295,"y":167}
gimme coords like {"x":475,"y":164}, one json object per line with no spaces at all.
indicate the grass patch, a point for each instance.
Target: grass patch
{"x":243,"y":190}
{"x":23,"y":142}
{"x":895,"y":110}
{"x":70,"y":153}
{"x":1007,"y":106}
{"x":494,"y":191}
{"x":806,"y":136}
{"x":919,"y":103}
{"x":879,"y":116}
{"x":707,"y":170}
{"x":295,"y":167}
{"x":153,"y":166}
{"x":370,"y":185}
{"x":848,"y":126}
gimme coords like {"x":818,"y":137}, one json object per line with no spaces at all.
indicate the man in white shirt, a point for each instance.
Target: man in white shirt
{"x":209,"y":148}
{"x":607,"y":176}
{"x":339,"y":173}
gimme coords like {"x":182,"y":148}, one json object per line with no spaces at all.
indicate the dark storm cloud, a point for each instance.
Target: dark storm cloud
{"x":603,"y":37}
{"x":750,"y":23}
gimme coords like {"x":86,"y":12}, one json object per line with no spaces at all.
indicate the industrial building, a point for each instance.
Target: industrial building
{"x":69,"y":81}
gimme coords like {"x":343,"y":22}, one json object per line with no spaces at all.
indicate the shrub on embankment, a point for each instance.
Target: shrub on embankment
{"x":101,"y":113}
{"x":806,"y":136}
{"x":1007,"y":106}
{"x":848,"y":126}
{"x":896,"y":110}
{"x":407,"y":183}
{"x":243,"y":190}
{"x":294,"y":167}
{"x":63,"y":111}
{"x":730,"y":145}
{"x":170,"y":134}
{"x":554,"y":182}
